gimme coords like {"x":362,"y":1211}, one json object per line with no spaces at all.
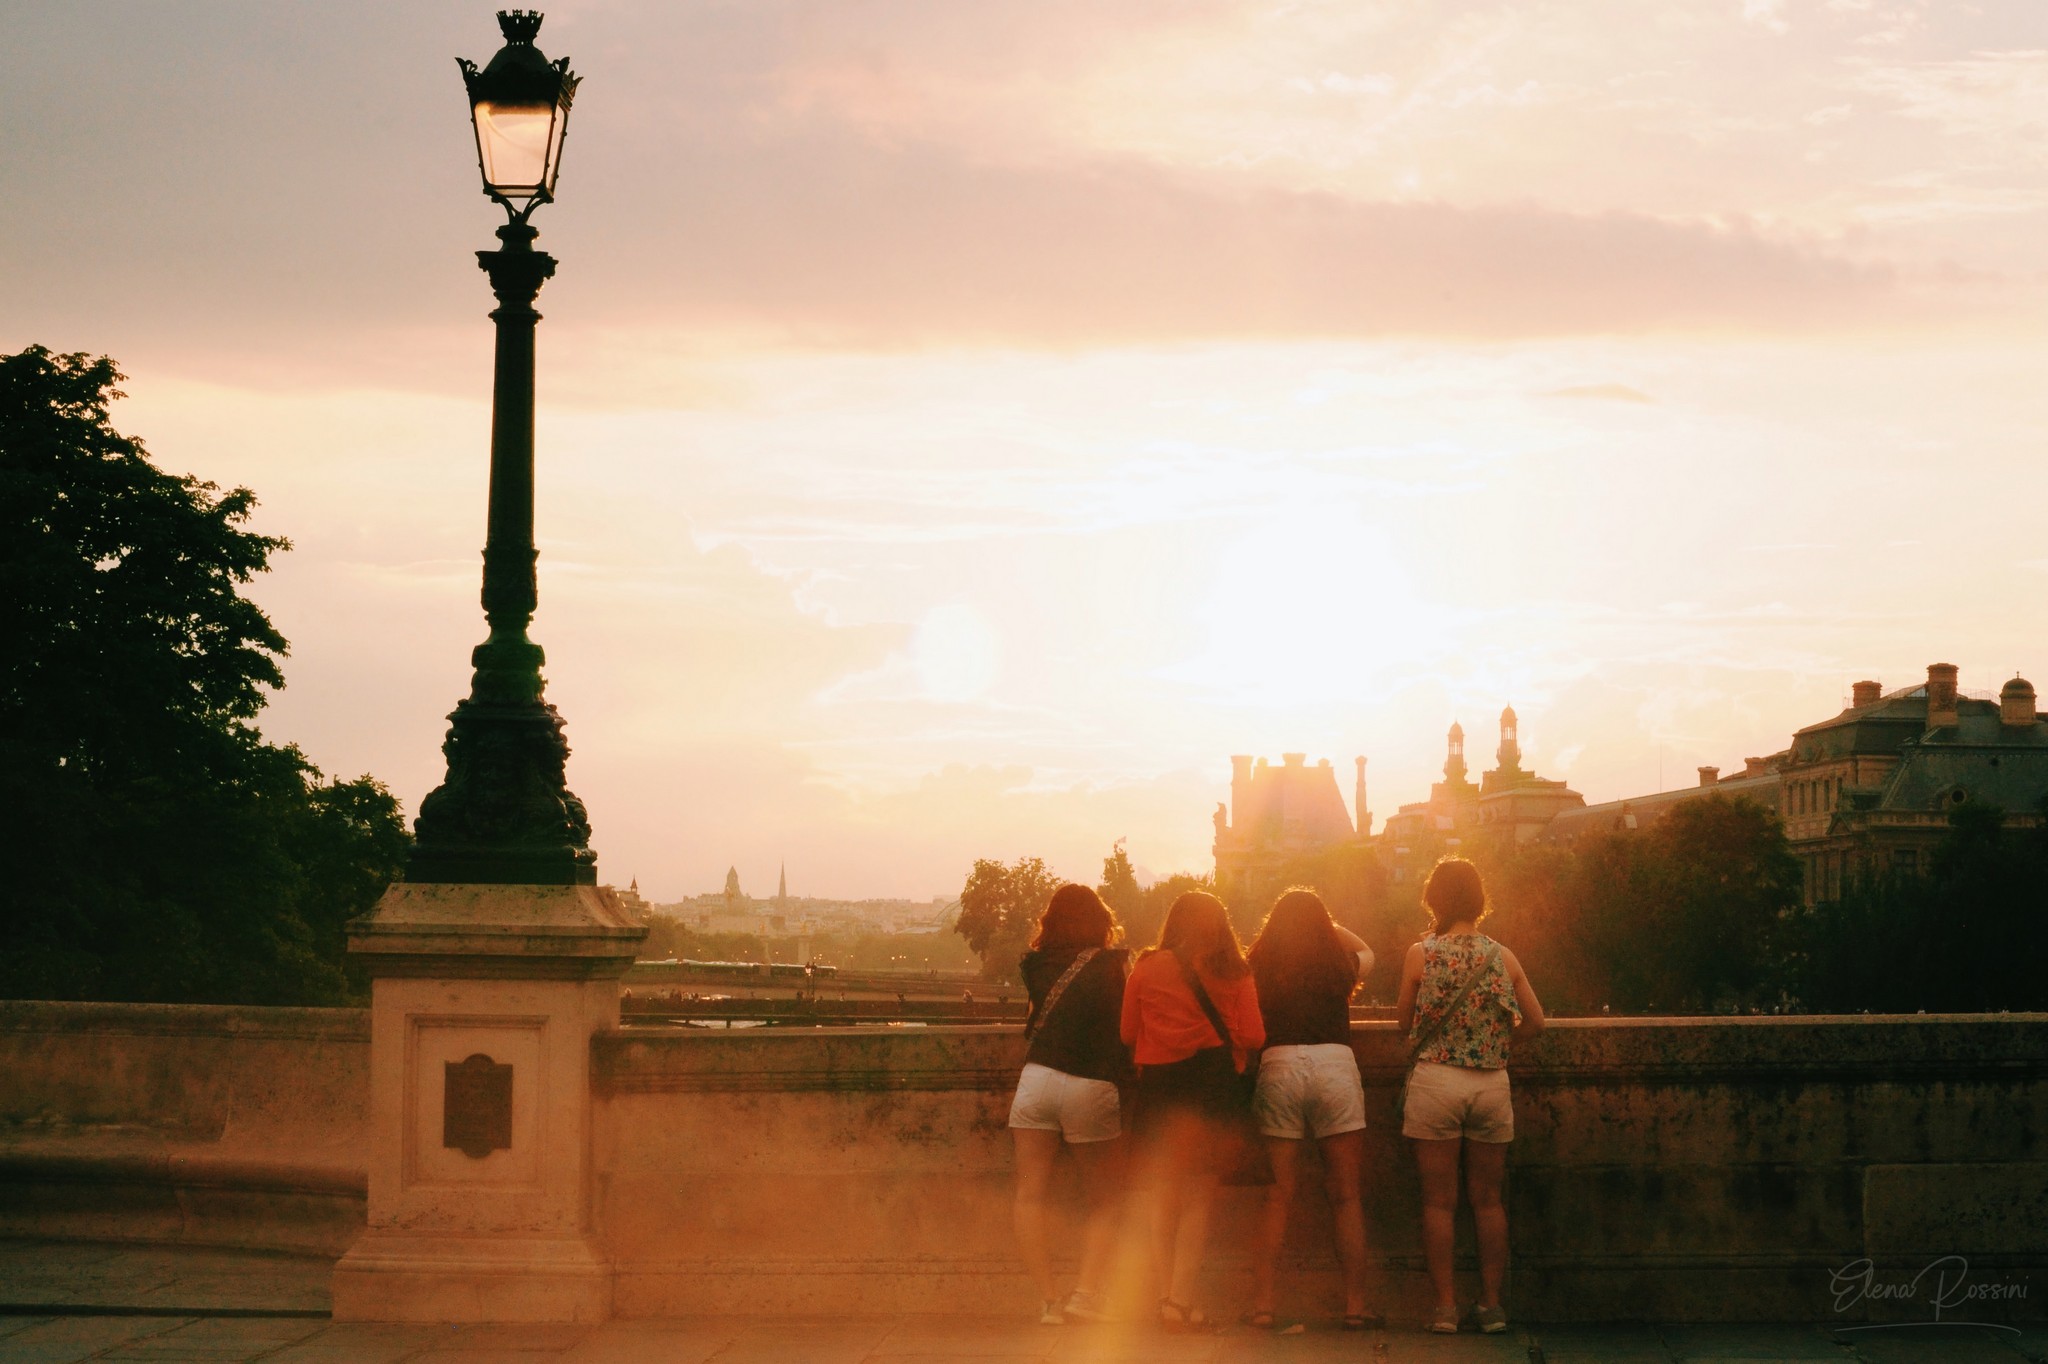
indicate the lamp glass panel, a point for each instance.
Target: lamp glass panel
{"x":515,"y":141}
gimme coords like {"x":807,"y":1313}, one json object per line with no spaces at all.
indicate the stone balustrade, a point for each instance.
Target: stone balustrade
{"x":1678,"y":1169}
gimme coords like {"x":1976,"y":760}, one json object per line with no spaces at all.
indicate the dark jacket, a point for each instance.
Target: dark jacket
{"x":1079,"y":1036}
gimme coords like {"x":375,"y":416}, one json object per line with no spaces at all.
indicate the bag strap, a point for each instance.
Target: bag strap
{"x":1443,"y":1020}
{"x":1059,"y":987}
{"x":1202,"y":998}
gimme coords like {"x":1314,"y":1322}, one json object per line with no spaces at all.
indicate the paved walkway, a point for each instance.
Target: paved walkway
{"x":134,"y":1303}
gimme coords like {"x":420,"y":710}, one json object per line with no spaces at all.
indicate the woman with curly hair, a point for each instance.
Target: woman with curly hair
{"x":1306,"y":967}
{"x":1464,"y":998}
{"x":1067,"y":1094}
{"x":1191,"y":1018}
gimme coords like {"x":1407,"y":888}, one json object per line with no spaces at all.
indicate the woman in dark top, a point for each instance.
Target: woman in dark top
{"x":1306,"y":966}
{"x":1067,"y":1092}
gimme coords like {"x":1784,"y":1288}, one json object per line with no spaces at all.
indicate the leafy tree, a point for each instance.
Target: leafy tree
{"x":1967,"y":936}
{"x":1119,"y":888}
{"x":1685,"y":916}
{"x":1141,"y":928}
{"x":155,"y":848}
{"x":999,"y":907}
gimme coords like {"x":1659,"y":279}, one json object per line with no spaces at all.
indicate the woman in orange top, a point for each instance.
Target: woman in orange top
{"x":1188,"y":1081}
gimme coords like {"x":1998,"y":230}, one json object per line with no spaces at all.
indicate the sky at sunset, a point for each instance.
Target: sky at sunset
{"x":964,"y":425}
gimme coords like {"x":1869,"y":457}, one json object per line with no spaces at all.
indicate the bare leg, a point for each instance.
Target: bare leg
{"x":1102,"y":1185}
{"x":1343,"y":1159}
{"x":1191,"y":1236}
{"x":1036,"y":1152}
{"x":1286,"y":1156}
{"x":1485,"y":1169}
{"x":1162,"y":1181}
{"x":1438,"y":1163}
{"x":1186,"y":1187}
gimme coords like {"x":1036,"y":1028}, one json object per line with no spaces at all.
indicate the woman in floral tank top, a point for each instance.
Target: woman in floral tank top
{"x":1464,"y":998}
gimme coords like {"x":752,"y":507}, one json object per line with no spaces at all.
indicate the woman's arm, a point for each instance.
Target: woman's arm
{"x":1411,"y":981}
{"x":1525,"y":999}
{"x":1247,"y":1024}
{"x":1356,"y":946}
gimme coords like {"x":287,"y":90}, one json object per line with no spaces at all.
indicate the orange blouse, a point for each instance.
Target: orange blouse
{"x":1162,"y":1023}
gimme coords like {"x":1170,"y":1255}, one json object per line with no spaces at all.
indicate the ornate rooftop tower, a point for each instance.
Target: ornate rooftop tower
{"x":1509,"y":755}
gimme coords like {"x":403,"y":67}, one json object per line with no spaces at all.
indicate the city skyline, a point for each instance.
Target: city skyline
{"x":957,"y":438}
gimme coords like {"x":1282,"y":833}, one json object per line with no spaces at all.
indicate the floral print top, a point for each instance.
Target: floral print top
{"x":1477,"y":1035}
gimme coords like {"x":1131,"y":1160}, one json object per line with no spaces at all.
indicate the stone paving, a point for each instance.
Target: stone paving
{"x":137,"y":1303}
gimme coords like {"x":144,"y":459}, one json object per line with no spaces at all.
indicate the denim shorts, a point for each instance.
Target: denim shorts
{"x":1309,"y":1091}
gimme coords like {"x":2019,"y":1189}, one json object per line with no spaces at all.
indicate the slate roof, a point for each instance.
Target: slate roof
{"x":1603,"y":817}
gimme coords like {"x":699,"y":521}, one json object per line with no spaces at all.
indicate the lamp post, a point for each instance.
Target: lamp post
{"x":497,"y":959}
{"x":504,"y":813}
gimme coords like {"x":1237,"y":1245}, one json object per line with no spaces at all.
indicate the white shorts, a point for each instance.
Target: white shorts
{"x":1457,"y":1101}
{"x":1309,"y":1091}
{"x":1051,"y":1100}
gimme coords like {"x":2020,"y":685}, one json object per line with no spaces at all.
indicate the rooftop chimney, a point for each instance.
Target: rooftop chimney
{"x":2016,"y":703}
{"x":1865,"y":694}
{"x":1294,"y":759}
{"x":1941,"y":696}
{"x":1710,"y":776}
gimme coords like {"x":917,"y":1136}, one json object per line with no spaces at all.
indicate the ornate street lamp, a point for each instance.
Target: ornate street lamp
{"x":504,"y":814}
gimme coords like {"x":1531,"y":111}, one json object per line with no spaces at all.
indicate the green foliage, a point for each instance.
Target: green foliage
{"x":1141,"y":928}
{"x":935,"y":951}
{"x":155,"y":847}
{"x":999,"y":907}
{"x":1969,"y":936}
{"x":1686,"y":916}
{"x":1119,"y":888}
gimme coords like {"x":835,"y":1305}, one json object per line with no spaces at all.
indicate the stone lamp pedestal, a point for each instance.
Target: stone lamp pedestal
{"x":484,"y":1000}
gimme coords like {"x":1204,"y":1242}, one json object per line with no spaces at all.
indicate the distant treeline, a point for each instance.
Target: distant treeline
{"x":1700,"y":913}
{"x":860,"y":951}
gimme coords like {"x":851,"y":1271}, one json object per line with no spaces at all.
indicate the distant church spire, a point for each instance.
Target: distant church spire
{"x":1454,"y":764}
{"x":782,"y":885}
{"x":1510,"y":752}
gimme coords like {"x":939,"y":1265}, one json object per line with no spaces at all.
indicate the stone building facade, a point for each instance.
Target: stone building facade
{"x":1508,"y":802}
{"x":1868,"y":791}
{"x":1278,"y":815}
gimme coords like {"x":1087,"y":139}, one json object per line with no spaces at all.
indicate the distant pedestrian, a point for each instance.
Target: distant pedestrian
{"x":1306,"y":967}
{"x":1464,"y":997}
{"x":1191,"y":1015}
{"x":1067,"y":1093}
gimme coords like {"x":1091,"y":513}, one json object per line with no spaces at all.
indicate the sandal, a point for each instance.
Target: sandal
{"x":1258,"y":1321}
{"x":1362,"y":1321}
{"x":1179,"y":1317}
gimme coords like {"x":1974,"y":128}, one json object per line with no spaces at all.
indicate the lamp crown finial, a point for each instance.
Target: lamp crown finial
{"x":519,"y":25}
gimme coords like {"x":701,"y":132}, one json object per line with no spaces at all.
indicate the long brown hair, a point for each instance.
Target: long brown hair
{"x":1298,"y":951}
{"x":1198,"y":931}
{"x":1075,"y":918}
{"x":1454,"y":893}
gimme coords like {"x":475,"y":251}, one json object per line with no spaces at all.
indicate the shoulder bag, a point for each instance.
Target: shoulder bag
{"x":1059,"y":987}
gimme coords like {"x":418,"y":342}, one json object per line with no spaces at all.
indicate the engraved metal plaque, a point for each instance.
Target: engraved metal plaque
{"x":476,"y":1115}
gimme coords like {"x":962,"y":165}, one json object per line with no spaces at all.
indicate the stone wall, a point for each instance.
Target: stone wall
{"x":184,"y":1123}
{"x":1669,"y":1169}
{"x":1666,"y":1169}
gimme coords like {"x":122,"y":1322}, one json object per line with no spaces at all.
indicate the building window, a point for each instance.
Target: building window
{"x":1906,"y":861}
